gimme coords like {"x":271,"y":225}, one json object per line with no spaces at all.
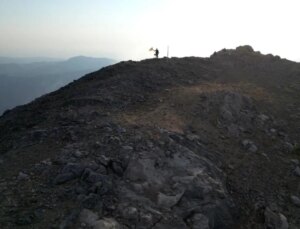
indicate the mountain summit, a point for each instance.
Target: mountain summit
{"x":161,"y":143}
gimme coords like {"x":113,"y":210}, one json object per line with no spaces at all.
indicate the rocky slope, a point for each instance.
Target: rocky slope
{"x":164,"y":143}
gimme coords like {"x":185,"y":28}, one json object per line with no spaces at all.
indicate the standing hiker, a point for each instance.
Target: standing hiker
{"x":156,"y":53}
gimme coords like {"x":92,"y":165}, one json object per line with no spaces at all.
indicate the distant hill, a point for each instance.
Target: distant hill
{"x":26,"y":60}
{"x":21,"y":81}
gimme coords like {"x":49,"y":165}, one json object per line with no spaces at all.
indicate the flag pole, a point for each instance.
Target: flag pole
{"x":168,"y":51}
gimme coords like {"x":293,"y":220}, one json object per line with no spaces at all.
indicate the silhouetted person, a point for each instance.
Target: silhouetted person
{"x":156,"y":53}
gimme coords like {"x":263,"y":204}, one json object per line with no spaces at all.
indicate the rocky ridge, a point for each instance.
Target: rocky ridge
{"x":163,"y":143}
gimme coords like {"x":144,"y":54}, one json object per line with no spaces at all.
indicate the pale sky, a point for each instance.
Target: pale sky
{"x":126,"y":29}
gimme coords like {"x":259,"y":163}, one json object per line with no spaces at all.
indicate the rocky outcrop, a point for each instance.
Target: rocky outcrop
{"x":163,"y":143}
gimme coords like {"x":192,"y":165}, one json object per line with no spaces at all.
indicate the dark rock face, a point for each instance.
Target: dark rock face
{"x":183,"y":185}
{"x":205,"y":143}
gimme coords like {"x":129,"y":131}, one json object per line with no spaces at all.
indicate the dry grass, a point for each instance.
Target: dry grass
{"x":247,"y":89}
{"x":175,"y":103}
{"x":161,"y":116}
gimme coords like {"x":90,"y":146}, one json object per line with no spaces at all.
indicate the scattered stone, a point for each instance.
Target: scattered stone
{"x":249,"y":146}
{"x":91,"y":165}
{"x":275,"y":220}
{"x":199,"y":221}
{"x":193,"y":137}
{"x":174,"y":223}
{"x":107,"y":223}
{"x":252,"y":148}
{"x":233,"y":130}
{"x":130,"y":213}
{"x":263,"y":117}
{"x":117,"y":168}
{"x":127,"y":148}
{"x":114,"y":141}
{"x":22,"y":176}
{"x":121,"y":129}
{"x":103,"y":160}
{"x":288,"y":146}
{"x":150,"y":144}
{"x":226,"y":115}
{"x":168,"y":201}
{"x":295,"y":200}
{"x":70,"y":219}
{"x":246,"y":142}
{"x":88,"y":217}
{"x":77,"y":154}
{"x":266,"y":156}
{"x":295,"y":161}
{"x":146,"y":218}
{"x":26,"y":219}
{"x":284,"y":222}
{"x":91,"y":201}
{"x":297,"y":171}
{"x":39,"y":213}
{"x":74,"y":168}
{"x":176,"y":137}
{"x":60,"y":161}
{"x":101,"y":169}
{"x":107,"y":129}
{"x":282,"y":134}
{"x":63,"y":178}
{"x":79,"y":189}
{"x":46,"y":162}
{"x":92,"y":177}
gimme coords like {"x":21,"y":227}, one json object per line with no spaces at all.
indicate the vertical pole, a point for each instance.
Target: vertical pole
{"x":168,"y":51}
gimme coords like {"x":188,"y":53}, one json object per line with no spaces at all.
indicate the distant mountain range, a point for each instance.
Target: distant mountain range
{"x":24,"y":79}
{"x":26,"y":60}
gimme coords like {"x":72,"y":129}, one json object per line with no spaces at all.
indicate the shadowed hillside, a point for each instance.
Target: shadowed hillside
{"x":162,"y":143}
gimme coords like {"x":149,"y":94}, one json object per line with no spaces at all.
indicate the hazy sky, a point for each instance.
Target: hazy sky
{"x":126,"y":29}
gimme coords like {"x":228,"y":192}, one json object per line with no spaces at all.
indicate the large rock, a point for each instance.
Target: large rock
{"x":183,"y":184}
